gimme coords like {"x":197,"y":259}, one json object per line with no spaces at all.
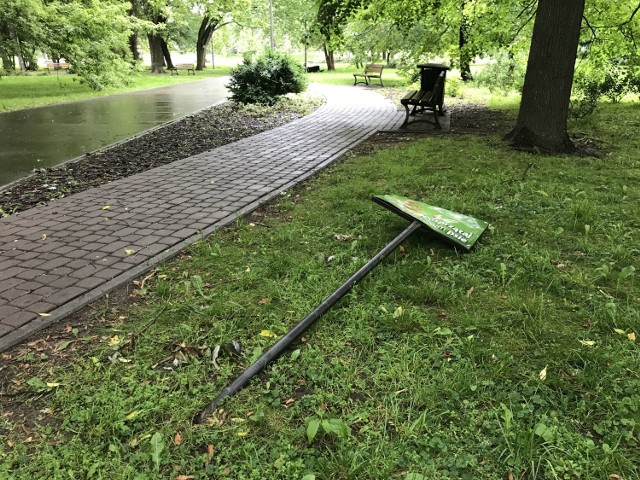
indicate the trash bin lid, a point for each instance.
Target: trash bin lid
{"x":437,"y":66}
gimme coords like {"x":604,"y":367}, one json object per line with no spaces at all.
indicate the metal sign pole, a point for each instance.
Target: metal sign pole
{"x":293,"y":334}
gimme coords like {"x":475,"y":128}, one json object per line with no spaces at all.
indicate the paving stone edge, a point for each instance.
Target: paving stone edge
{"x":22,"y":333}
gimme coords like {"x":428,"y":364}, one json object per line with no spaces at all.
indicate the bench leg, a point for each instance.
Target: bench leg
{"x":437,"y":120}
{"x":406,"y":118}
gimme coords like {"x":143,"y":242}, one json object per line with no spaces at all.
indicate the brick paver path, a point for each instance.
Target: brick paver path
{"x":58,"y":258}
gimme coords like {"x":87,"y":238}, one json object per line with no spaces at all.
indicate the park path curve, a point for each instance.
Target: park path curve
{"x":58,"y":258}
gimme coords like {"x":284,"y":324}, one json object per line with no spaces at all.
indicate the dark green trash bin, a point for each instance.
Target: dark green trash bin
{"x":428,"y":75}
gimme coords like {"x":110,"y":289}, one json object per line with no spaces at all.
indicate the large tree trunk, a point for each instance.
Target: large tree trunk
{"x":542,"y":119}
{"x":328,"y":57}
{"x":133,"y":38}
{"x":133,"y":46}
{"x":463,"y":46}
{"x":157,"y":57}
{"x":166,"y":53}
{"x":207,"y":27}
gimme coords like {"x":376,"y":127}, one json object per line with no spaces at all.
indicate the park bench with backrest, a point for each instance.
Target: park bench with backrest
{"x":370,"y":71}
{"x":57,"y":66}
{"x":189,"y":67}
{"x":426,"y":101}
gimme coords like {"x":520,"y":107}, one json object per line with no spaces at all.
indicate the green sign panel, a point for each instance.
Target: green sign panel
{"x":461,"y":230}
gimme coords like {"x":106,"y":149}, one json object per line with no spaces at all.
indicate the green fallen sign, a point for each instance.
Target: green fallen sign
{"x":461,"y":230}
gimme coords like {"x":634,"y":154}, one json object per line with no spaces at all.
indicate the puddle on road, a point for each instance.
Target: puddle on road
{"x":47,"y":136}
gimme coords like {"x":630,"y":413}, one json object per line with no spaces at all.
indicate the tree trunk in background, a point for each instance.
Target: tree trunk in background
{"x":8,"y":62}
{"x":133,"y":38}
{"x":463,"y":42}
{"x":166,"y":53}
{"x":133,"y":46}
{"x":157,"y":57}
{"x":328,"y":57}
{"x":542,"y":119}
{"x":207,"y":27}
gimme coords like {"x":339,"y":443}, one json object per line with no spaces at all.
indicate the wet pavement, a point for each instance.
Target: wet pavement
{"x":50,"y":135}
{"x":58,"y":258}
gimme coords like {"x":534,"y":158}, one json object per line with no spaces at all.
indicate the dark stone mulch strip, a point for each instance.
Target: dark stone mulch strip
{"x":189,"y":136}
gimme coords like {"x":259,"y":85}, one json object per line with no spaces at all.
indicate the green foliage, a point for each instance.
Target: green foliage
{"x":613,"y":82}
{"x":504,"y":73}
{"x":264,"y":80}
{"x":95,"y":45}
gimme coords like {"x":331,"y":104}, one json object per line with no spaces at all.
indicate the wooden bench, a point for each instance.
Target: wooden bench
{"x":430,"y":101}
{"x":189,"y":67}
{"x":57,"y":66}
{"x":370,"y":71}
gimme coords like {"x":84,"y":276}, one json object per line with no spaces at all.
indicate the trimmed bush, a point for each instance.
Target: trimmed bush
{"x":264,"y":80}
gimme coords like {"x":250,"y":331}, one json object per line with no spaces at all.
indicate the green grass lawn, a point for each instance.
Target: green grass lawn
{"x":343,"y":75}
{"x":516,"y":360}
{"x":34,"y":90}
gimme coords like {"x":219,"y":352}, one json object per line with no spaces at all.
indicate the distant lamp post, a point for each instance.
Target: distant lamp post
{"x":271,"y":22}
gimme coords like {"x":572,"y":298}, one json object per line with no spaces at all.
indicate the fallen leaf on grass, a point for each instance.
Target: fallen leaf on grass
{"x":631,"y":336}
{"x":470,"y":291}
{"x":209,"y":455}
{"x":133,"y":415}
{"x":177,"y":439}
{"x":115,"y":340}
{"x":63,"y":345}
{"x":615,"y":476}
{"x":268,"y":334}
{"x":264,"y":301}
{"x":588,"y":343}
{"x":543,"y":373}
{"x":587,"y":324}
{"x":184,"y":477}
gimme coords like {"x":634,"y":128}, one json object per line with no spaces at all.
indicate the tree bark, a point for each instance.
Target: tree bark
{"x":166,"y":54}
{"x":207,"y":27}
{"x":542,"y":119}
{"x":463,"y":47}
{"x":133,"y":38}
{"x":157,"y":57}
{"x":328,"y":57}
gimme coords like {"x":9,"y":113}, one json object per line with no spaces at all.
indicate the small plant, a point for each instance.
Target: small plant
{"x":265,"y":80}
{"x":331,"y":426}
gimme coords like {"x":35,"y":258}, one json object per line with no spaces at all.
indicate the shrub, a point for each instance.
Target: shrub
{"x":504,"y":73}
{"x":264,"y":80}
{"x":617,"y":81}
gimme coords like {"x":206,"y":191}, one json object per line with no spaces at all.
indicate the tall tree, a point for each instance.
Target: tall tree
{"x":208,"y":25}
{"x":542,"y":119}
{"x":215,"y":15}
{"x":331,"y":19}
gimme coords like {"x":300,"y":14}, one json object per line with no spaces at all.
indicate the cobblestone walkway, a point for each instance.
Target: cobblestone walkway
{"x":58,"y":258}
